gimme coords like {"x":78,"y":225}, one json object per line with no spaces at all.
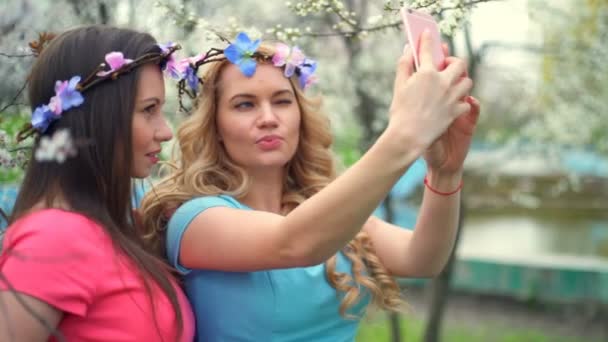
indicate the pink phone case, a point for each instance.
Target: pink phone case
{"x":414,"y":23}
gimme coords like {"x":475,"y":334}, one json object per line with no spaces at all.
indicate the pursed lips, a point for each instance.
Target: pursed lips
{"x":270,"y":137}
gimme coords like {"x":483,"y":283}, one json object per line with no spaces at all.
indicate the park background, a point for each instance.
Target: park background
{"x":531,"y":262}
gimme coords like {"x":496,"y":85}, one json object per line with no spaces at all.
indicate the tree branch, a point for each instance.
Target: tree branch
{"x":8,"y":55}
{"x":13,"y":101}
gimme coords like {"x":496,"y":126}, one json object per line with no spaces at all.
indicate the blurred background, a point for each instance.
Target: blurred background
{"x":531,"y":262}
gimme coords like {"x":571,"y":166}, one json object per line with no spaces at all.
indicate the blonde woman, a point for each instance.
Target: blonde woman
{"x":273,"y":246}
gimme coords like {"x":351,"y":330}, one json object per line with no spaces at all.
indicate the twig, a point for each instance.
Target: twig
{"x":14,"y":99}
{"x":16,"y":56}
{"x":394,"y":24}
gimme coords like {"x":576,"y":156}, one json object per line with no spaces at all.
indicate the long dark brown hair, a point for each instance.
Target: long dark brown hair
{"x":97,"y":181}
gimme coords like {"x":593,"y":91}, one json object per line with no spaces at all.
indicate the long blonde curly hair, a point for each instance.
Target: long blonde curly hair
{"x":200,"y":166}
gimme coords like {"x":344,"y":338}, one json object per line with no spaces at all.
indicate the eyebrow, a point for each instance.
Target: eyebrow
{"x":156,"y":100}
{"x":251,"y":96}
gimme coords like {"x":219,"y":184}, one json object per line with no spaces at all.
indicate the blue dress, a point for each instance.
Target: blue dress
{"x":279,"y":305}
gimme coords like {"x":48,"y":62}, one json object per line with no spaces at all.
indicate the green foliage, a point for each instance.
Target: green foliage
{"x":412,"y":330}
{"x":574,"y":77}
{"x":345,"y":146}
{"x":10,"y":124}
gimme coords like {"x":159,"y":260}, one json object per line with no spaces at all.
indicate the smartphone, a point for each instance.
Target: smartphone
{"x":414,"y":23}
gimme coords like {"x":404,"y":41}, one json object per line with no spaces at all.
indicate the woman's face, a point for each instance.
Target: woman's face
{"x":150,"y":128}
{"x":258,"y":117}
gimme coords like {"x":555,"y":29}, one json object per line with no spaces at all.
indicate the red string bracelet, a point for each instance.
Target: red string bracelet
{"x":426,"y":182}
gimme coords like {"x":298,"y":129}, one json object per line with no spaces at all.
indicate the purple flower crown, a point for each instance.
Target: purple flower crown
{"x":243,"y":52}
{"x":69,"y":93}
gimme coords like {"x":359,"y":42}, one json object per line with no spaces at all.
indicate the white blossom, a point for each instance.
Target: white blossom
{"x":6,"y":159}
{"x":3,"y":139}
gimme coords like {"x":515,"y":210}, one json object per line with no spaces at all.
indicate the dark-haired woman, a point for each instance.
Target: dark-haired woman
{"x":72,"y":265}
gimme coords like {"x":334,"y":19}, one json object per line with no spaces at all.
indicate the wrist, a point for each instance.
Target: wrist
{"x":444,"y":183}
{"x":404,"y":143}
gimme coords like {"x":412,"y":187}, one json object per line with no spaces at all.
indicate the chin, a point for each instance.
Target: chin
{"x":273,"y":163}
{"x":140,"y":173}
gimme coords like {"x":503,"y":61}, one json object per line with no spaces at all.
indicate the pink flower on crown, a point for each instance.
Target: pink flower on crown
{"x":290,"y":59}
{"x":55,"y":105}
{"x":115,"y":60}
{"x":183,"y":69}
{"x":168,"y":65}
{"x":66,"y":96}
{"x":183,"y":64}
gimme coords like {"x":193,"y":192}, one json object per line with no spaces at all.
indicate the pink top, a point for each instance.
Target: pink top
{"x":68,"y":261}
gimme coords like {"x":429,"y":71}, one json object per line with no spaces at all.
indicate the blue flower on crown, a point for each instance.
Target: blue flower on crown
{"x":191,"y":78}
{"x":241,"y":53}
{"x":42,"y":118}
{"x":307,"y":76}
{"x":66,"y":97}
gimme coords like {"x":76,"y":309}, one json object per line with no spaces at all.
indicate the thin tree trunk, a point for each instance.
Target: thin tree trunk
{"x":440,"y":288}
{"x":394,"y":319}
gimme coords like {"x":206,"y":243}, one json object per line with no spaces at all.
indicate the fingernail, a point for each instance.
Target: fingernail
{"x":406,"y":47}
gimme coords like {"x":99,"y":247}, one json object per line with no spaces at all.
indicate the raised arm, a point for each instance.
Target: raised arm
{"x":424,"y":252}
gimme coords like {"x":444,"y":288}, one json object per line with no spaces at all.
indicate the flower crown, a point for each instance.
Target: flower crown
{"x":68,"y":93}
{"x":243,"y":52}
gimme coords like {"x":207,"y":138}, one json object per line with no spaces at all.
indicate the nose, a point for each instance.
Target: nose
{"x":267,"y":117}
{"x":163,"y":132}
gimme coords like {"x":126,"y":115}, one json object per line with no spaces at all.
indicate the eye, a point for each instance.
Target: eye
{"x":151,"y":109}
{"x":284,"y":102}
{"x":244,"y":105}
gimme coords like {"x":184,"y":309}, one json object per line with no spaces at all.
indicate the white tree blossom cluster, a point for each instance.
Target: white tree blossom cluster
{"x":573,"y":108}
{"x":451,"y":14}
{"x":10,"y":159}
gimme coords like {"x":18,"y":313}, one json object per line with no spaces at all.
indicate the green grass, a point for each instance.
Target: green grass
{"x":412,"y":330}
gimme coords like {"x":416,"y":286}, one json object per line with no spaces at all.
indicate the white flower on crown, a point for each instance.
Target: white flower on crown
{"x":56,"y":148}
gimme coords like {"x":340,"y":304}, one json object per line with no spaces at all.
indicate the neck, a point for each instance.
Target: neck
{"x":266,"y":190}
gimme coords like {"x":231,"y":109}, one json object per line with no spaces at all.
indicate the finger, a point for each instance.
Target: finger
{"x":408,"y":55}
{"x":462,"y":108}
{"x":461,"y":89}
{"x":405,"y":68}
{"x":455,"y":60}
{"x":446,"y":49}
{"x":446,"y":53}
{"x":426,"y":51}
{"x":455,"y":69}
{"x":475,"y":109}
